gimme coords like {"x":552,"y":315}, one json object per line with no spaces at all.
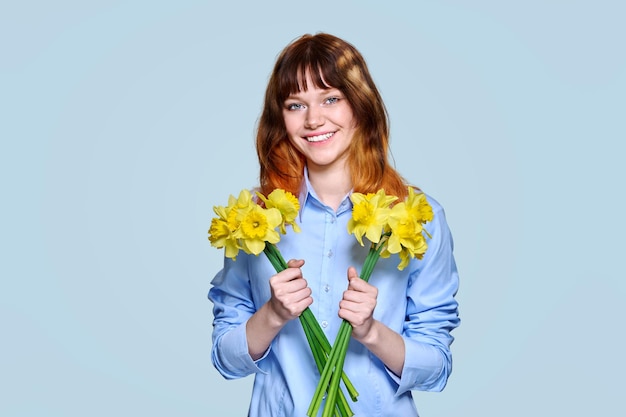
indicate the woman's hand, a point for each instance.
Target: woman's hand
{"x":290,"y":293}
{"x":290,"y":297}
{"x":357,"y":305}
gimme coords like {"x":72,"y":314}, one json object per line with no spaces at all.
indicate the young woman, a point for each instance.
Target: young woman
{"x":323,"y":134}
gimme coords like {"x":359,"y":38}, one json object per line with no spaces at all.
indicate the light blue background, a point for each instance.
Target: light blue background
{"x":123,"y":123}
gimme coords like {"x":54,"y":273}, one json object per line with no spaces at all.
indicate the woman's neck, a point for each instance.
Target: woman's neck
{"x":331,"y":186}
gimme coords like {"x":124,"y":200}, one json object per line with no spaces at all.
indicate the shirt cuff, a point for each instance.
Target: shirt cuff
{"x":423,"y":369}
{"x":234,"y":355}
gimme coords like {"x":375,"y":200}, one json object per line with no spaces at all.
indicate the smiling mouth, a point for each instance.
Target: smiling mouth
{"x":319,"y":138}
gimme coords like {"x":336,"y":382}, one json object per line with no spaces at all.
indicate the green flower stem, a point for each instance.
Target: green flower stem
{"x":329,"y":381}
{"x":325,"y":345}
{"x":343,"y":408}
{"x":334,"y":380}
{"x":323,"y":383}
{"x":318,"y":343}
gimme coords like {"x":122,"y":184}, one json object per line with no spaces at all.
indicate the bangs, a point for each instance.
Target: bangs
{"x":321,"y":69}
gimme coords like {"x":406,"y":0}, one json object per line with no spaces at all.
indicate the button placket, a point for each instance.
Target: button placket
{"x":325,"y":298}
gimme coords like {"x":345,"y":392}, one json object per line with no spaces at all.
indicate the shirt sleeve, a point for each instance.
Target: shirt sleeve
{"x":432,"y":312}
{"x":232,"y":307}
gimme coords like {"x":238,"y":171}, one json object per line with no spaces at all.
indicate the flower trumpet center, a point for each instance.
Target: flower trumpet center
{"x":254,"y":226}
{"x":363,"y":213}
{"x":219,"y":230}
{"x":407,"y":228}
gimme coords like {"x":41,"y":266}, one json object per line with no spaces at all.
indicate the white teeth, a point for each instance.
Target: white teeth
{"x":319,"y":138}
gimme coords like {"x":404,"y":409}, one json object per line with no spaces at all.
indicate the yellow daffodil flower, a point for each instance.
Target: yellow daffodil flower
{"x":288,"y":206}
{"x":242,"y":203}
{"x":258,"y":226}
{"x":221,"y":231}
{"x":404,"y":228}
{"x":243,"y":224}
{"x":418,"y":205}
{"x":369,"y":215}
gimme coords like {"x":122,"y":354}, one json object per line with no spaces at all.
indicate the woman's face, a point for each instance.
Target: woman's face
{"x":320,"y":124}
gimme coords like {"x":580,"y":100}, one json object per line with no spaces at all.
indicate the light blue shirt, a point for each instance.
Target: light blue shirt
{"x":417,"y":302}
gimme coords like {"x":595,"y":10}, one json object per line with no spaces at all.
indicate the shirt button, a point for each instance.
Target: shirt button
{"x":324,"y":324}
{"x":330,"y":253}
{"x":326,"y":288}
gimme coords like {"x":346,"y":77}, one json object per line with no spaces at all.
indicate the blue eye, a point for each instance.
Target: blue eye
{"x":294,"y":106}
{"x":332,"y":100}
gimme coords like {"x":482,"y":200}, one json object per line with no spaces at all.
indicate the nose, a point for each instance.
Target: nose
{"x":314,"y":118}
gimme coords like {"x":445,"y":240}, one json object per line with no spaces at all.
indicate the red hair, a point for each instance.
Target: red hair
{"x":331,"y":62}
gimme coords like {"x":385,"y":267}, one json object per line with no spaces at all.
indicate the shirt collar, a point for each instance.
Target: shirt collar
{"x":307,"y":192}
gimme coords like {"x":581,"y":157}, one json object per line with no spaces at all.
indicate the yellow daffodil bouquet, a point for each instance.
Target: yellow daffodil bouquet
{"x":250,"y":225}
{"x":391,"y":229}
